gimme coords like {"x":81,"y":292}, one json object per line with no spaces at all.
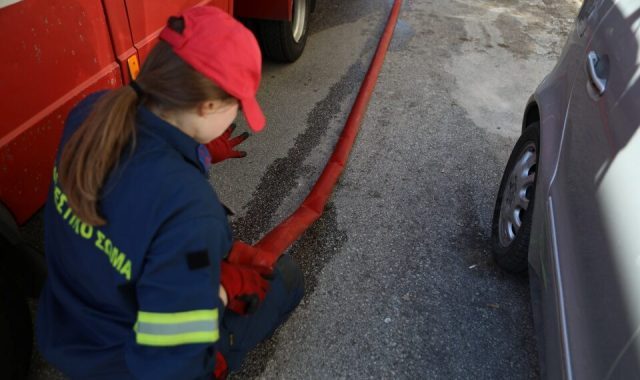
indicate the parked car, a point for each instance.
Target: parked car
{"x":569,"y":200}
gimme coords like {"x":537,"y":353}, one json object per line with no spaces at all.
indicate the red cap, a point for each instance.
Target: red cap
{"x":223,"y":50}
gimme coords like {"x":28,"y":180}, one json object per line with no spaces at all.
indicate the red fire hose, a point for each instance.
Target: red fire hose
{"x":275,"y":242}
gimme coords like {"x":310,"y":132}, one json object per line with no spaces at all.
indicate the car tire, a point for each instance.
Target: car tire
{"x":16,"y":334}
{"x":513,"y":212}
{"x":284,"y":41}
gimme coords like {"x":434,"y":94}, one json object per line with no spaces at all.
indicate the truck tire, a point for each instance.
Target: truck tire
{"x":16,"y":334}
{"x":284,"y":41}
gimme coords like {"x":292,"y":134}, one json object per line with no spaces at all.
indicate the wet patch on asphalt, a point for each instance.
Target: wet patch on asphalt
{"x":284,"y":174}
{"x":281,"y":177}
{"x":323,"y":239}
{"x":312,"y":252}
{"x":317,"y":246}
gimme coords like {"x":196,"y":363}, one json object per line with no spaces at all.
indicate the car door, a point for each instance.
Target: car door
{"x":588,"y":205}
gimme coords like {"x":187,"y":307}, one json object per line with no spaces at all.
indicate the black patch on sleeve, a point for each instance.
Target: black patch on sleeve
{"x":197,"y":260}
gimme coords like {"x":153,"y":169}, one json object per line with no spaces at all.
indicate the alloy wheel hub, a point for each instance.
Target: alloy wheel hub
{"x":517,"y":194}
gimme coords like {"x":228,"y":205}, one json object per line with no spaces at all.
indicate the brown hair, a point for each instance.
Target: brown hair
{"x":167,"y":83}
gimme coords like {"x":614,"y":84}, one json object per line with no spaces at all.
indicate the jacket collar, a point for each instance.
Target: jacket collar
{"x":184,"y":144}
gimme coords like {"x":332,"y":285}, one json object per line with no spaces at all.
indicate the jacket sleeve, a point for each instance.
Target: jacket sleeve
{"x":179,"y":310}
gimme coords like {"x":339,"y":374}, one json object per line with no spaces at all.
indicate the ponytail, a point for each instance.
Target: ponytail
{"x":168,"y":83}
{"x":94,"y":149}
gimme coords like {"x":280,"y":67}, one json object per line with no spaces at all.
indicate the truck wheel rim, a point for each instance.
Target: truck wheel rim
{"x":517,"y":194}
{"x":299,"y":20}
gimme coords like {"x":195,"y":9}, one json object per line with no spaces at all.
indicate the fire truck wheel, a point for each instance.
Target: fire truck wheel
{"x":284,"y":41}
{"x":16,"y":335}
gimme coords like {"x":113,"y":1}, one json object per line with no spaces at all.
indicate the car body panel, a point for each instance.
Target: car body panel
{"x":547,"y":305}
{"x":551,"y":98}
{"x":586,"y":306}
{"x":597,"y":311}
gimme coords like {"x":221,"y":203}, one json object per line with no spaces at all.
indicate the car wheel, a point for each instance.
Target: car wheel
{"x":284,"y":41}
{"x":513,"y":211}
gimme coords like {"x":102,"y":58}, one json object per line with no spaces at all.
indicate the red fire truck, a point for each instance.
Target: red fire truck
{"x":52,"y":54}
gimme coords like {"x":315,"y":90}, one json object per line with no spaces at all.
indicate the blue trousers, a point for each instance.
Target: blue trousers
{"x":241,"y":333}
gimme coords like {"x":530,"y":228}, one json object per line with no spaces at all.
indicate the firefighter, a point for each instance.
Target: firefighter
{"x":135,"y":236}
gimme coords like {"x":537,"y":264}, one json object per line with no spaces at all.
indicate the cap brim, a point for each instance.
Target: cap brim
{"x":253,"y":114}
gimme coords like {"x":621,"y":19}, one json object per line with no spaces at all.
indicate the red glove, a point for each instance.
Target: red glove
{"x":245,"y":287}
{"x":221,"y":148}
{"x":248,"y":255}
{"x":222,"y":370}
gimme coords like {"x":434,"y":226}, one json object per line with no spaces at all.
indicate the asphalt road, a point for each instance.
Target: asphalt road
{"x":398,"y":269}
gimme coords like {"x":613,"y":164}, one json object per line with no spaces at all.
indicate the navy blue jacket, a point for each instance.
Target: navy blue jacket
{"x":137,"y":297}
